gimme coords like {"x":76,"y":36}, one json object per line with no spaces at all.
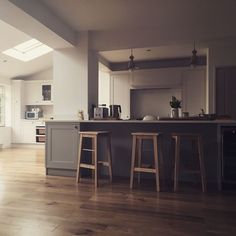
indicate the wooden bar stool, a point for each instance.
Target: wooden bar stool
{"x":196,"y":140}
{"x":137,"y":152}
{"x":94,"y":136}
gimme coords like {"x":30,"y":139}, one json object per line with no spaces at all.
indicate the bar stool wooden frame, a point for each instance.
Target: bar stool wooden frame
{"x":94,"y":135}
{"x":136,"y":152}
{"x":196,"y":139}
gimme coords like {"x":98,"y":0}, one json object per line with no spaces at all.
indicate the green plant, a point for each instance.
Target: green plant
{"x":175,"y":103}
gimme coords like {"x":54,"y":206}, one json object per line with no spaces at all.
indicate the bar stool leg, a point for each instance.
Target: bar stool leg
{"x":79,"y":158}
{"x":202,"y":166}
{"x":161,"y":166}
{"x":177,"y":157}
{"x":133,"y":162}
{"x":139,"y":157}
{"x":95,"y":151}
{"x":156,"y":163}
{"x":109,"y":155}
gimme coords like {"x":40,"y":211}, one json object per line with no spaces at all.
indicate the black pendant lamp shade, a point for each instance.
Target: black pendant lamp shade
{"x":131,"y":64}
{"x":193,"y":61}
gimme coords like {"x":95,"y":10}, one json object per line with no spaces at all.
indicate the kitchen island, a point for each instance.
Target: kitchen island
{"x":62,"y":144}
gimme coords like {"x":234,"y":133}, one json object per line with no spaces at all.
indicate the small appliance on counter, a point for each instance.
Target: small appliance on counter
{"x":34,"y":114}
{"x":100,"y":112}
{"x":115,"y":111}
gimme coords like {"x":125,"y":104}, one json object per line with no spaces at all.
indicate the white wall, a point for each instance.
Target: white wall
{"x":152,"y":102}
{"x":104,"y":88}
{"x":5,"y":132}
{"x":6,"y":82}
{"x":42,"y":75}
{"x":70,"y":83}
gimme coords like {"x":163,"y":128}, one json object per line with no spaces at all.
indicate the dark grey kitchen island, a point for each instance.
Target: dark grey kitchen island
{"x":62,"y":144}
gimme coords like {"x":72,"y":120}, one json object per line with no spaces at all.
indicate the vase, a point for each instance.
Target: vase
{"x":174,"y":113}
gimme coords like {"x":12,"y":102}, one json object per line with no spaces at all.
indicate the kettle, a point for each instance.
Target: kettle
{"x":115,"y":111}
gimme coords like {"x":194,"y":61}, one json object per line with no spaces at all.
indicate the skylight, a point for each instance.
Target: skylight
{"x":28,"y":50}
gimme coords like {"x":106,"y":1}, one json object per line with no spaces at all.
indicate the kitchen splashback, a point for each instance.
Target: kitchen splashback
{"x":152,"y":102}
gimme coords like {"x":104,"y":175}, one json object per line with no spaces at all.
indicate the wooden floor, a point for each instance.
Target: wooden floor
{"x":32,"y":203}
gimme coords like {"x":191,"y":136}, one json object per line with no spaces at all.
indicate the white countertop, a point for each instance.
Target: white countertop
{"x":145,"y":122}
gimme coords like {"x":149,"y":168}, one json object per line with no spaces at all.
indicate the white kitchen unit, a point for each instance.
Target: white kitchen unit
{"x":29,"y":131}
{"x":62,"y":147}
{"x":194,"y":91}
{"x":38,"y":92}
{"x":40,"y":133}
{"x":120,"y":93}
{"x":27,"y":95}
{"x":157,"y":78}
{"x":190,"y":83}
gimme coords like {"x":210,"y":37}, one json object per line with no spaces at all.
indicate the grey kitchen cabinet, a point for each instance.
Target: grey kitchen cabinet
{"x":225,"y":91}
{"x":61,"y":148}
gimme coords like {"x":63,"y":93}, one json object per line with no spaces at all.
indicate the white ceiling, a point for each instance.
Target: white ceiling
{"x":137,"y":14}
{"x":10,"y":67}
{"x":212,"y":18}
{"x":151,"y":53}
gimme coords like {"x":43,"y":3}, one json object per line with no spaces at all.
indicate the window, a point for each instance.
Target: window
{"x":28,"y":50}
{"x":2,"y":106}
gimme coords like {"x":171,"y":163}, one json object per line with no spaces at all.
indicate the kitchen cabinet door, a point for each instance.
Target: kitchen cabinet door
{"x":194,"y":91}
{"x":225,"y":91}
{"x":61,"y":146}
{"x":33,"y":93}
{"x":28,"y":132}
{"x":120,"y":93}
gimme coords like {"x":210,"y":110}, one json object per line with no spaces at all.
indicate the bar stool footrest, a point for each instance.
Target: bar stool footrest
{"x":145,"y":170}
{"x":88,"y":150}
{"x":87,"y":166}
{"x":104,"y":163}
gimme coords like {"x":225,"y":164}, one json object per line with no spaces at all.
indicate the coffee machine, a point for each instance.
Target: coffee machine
{"x":115,"y":111}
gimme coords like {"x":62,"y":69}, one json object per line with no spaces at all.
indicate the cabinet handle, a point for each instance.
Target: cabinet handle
{"x":76,"y":127}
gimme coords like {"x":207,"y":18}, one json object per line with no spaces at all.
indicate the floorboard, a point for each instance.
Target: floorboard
{"x":32,"y":203}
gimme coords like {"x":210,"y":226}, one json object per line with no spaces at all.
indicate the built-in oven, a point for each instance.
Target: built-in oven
{"x":229,"y":157}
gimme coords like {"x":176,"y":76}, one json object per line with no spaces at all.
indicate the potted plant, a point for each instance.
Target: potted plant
{"x":175,"y":106}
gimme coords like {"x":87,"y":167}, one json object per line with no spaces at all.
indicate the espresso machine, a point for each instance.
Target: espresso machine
{"x":115,"y":111}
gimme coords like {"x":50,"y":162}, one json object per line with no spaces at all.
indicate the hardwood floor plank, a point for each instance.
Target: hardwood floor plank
{"x":32,"y":203}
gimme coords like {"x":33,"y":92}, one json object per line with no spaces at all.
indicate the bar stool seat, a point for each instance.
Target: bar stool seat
{"x":94,"y":136}
{"x":137,"y":149}
{"x":196,"y":140}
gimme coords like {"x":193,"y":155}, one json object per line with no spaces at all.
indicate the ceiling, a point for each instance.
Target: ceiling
{"x":10,"y":67}
{"x":152,"y":53}
{"x":206,"y":18}
{"x":137,"y":14}
{"x":203,"y":18}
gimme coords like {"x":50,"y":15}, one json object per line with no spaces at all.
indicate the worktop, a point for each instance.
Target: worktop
{"x":62,"y":143}
{"x":146,"y":121}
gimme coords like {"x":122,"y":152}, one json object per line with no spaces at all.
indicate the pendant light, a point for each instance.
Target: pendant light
{"x":193,"y":61}
{"x":131,"y":64}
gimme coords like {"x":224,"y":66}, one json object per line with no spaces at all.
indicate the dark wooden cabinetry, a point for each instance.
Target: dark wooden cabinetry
{"x":229,"y":156}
